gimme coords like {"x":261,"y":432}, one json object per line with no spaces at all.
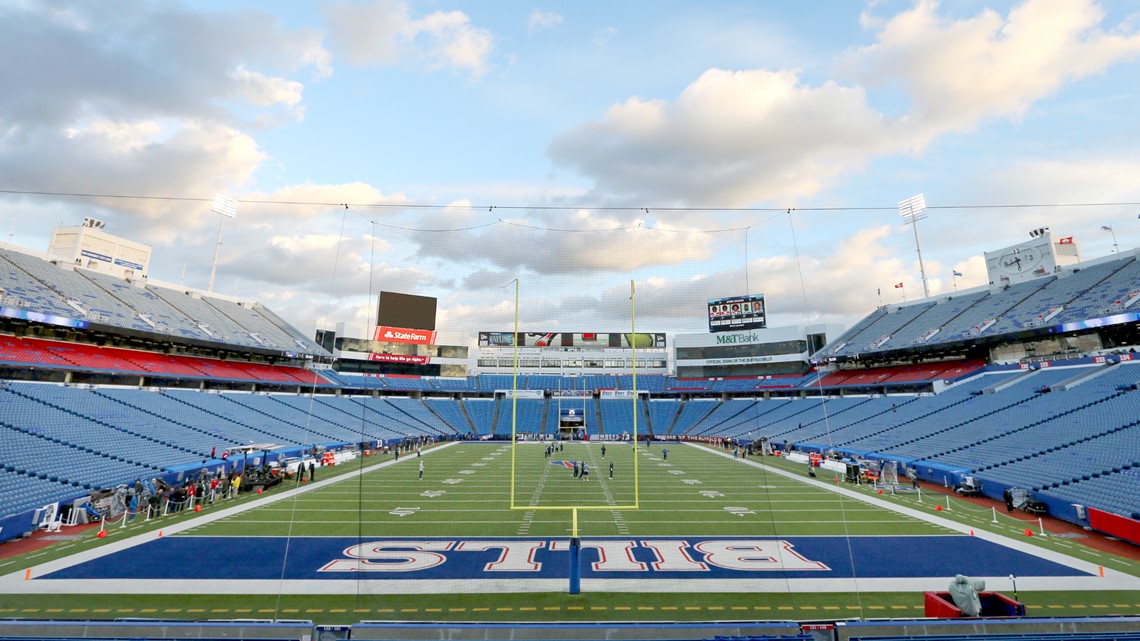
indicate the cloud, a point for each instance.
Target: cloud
{"x":730,"y":138}
{"x":959,"y":73}
{"x":138,"y":98}
{"x":604,"y":36}
{"x":540,"y":20}
{"x":117,"y":60}
{"x":384,"y":33}
{"x":135,"y":157}
{"x":582,"y":242}
{"x":740,"y":137}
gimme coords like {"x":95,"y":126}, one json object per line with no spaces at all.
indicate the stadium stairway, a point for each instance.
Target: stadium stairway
{"x":339,"y":414}
{"x":362,"y":415}
{"x":450,"y":413}
{"x":871,"y":435}
{"x":1056,"y":448}
{"x":955,"y":426}
{"x":199,"y":411}
{"x":310,"y":406}
{"x":265,"y":413}
{"x":58,"y":460}
{"x":1021,"y":428}
{"x":132,"y":399}
{"x":873,"y":409}
{"x":92,"y":430}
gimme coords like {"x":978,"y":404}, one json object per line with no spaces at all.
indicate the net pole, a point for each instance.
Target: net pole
{"x":633,"y":345}
{"x":575,"y":574}
{"x":514,"y":392}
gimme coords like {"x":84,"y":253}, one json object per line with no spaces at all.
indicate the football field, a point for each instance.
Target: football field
{"x":677,"y":526}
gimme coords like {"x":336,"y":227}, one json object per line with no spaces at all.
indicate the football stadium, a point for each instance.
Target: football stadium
{"x":183,"y":464}
{"x":461,"y":320}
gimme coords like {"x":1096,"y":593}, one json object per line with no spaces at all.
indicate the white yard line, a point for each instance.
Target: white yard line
{"x":15,"y":583}
{"x":1112,"y":580}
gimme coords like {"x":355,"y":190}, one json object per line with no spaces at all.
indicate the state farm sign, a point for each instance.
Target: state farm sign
{"x":404,"y":335}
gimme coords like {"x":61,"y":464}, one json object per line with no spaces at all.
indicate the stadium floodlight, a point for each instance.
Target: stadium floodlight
{"x":912,"y":210}
{"x":225,"y":207}
{"x":1115,"y":247}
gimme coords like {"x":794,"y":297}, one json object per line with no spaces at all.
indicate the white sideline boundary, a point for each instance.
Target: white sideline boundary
{"x":1112,"y":579}
{"x":15,"y":583}
{"x":9,"y":582}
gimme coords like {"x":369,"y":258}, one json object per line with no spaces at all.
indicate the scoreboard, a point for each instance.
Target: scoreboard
{"x":737,"y":313}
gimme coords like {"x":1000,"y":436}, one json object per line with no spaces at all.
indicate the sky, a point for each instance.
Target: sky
{"x":466,"y":150}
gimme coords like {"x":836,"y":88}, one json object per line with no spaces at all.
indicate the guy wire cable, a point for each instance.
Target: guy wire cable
{"x":827,"y":426}
{"x":296,"y":497}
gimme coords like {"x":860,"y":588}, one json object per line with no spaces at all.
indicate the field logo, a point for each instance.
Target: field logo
{"x":607,"y":557}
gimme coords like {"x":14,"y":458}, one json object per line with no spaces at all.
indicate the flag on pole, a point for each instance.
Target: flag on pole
{"x":1106,"y":227}
{"x":957,"y":273}
{"x":899,"y":286}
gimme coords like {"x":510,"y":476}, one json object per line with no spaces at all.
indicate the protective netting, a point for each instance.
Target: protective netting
{"x":569,"y":280}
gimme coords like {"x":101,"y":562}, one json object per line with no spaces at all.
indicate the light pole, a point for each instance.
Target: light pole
{"x":227,"y":208}
{"x":1115,"y":247}
{"x":911,"y":211}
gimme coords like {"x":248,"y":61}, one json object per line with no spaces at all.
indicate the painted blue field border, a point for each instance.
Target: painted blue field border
{"x":343,"y":558}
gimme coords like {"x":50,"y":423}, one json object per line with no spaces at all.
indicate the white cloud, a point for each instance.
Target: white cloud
{"x":959,"y":73}
{"x":604,"y":36}
{"x":582,"y":242}
{"x":385,"y":33}
{"x":734,"y":138}
{"x":266,"y":91}
{"x":730,"y":138}
{"x":540,"y":20}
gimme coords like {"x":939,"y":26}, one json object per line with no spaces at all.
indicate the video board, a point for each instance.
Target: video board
{"x":406,"y":311}
{"x":737,"y":313}
{"x":570,"y":339}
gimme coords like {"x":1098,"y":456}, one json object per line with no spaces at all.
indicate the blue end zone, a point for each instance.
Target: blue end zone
{"x":337,"y":558}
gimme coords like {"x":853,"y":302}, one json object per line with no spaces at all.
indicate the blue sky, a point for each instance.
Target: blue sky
{"x":696,"y":125}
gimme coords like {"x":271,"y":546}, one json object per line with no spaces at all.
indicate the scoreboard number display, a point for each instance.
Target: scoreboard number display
{"x":736,"y":313}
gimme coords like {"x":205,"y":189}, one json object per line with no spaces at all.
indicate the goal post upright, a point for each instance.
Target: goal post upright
{"x":514,"y":393}
{"x":573,"y":509}
{"x":633,"y":348}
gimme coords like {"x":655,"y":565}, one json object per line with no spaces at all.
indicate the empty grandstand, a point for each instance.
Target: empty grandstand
{"x":1026,"y":391}
{"x":984,"y":384}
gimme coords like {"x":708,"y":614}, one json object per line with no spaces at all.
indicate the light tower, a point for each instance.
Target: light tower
{"x":911,"y":211}
{"x":226,"y":207}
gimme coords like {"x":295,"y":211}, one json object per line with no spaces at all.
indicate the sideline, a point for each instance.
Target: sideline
{"x":15,"y":583}
{"x":1112,"y":579}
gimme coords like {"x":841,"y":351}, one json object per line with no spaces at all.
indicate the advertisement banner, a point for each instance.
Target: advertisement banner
{"x":400,"y":358}
{"x":388,"y":334}
{"x":599,"y":340}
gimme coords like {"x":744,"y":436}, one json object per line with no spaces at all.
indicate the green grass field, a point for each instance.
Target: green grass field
{"x":466,"y":493}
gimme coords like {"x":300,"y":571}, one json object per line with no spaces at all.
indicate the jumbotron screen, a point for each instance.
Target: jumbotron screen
{"x":406,"y":310}
{"x":737,"y":313}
